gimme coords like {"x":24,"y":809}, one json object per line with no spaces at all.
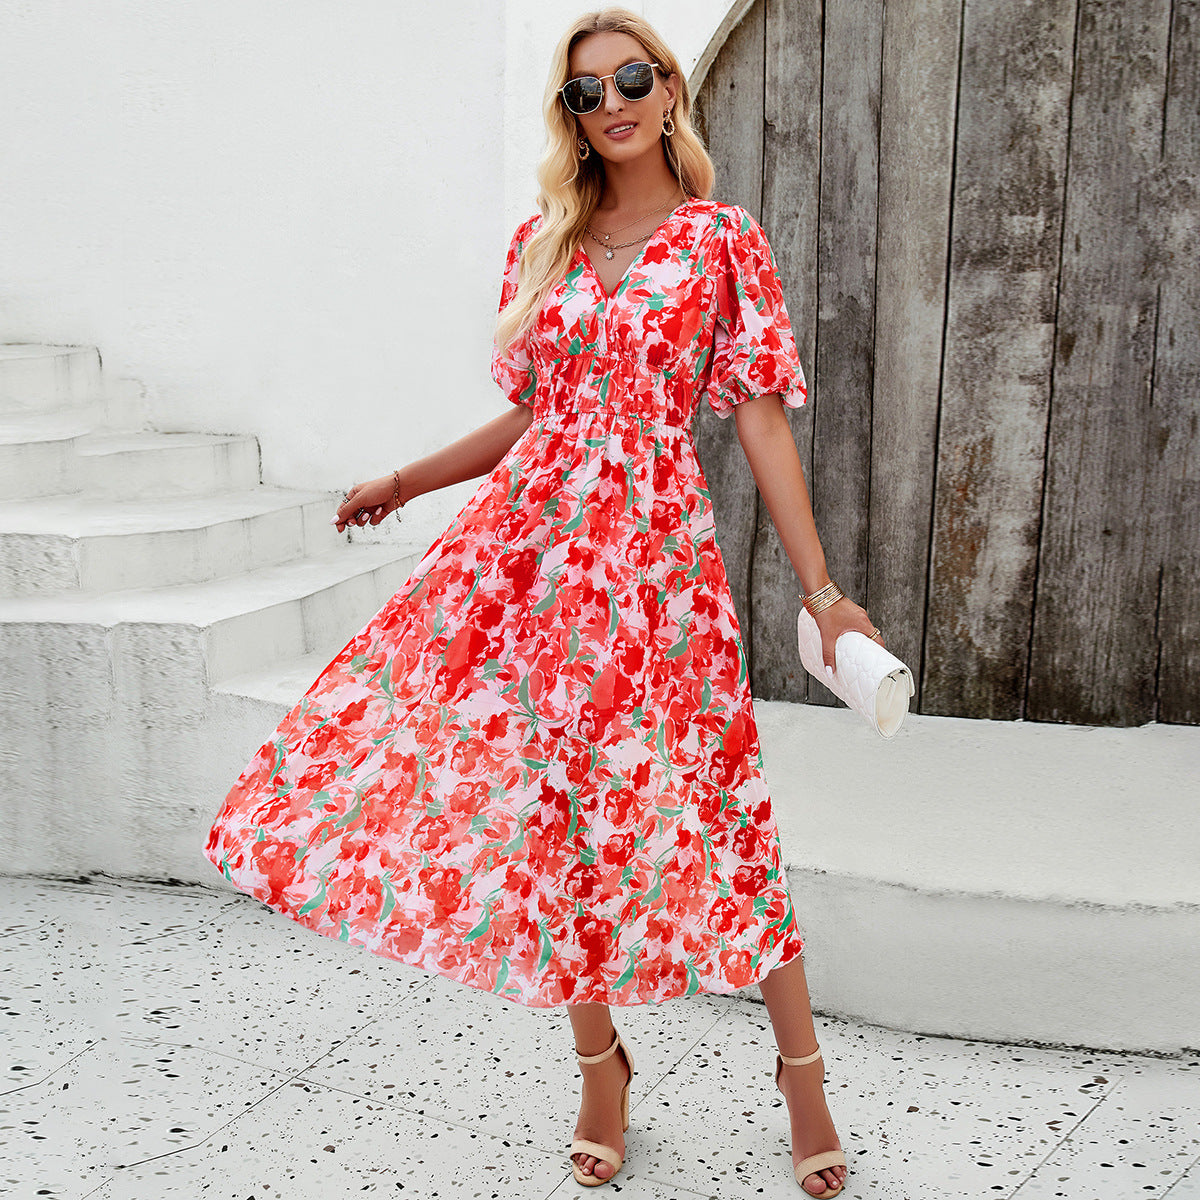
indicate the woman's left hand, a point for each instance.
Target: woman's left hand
{"x":839,"y":618}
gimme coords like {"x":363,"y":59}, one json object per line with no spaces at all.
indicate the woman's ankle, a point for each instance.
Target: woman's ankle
{"x":590,"y":1046}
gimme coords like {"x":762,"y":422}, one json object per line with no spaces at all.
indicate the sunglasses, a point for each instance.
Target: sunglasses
{"x":634,"y":81}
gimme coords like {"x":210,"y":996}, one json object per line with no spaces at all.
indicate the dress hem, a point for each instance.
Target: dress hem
{"x":587,"y":997}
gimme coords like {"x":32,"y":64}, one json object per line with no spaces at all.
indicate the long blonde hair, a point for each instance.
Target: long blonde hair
{"x":570,"y":188}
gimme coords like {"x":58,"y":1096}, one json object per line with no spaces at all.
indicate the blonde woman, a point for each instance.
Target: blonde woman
{"x":536,"y":770}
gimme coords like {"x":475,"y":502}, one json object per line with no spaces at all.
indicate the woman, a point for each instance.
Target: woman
{"x":536,"y":769}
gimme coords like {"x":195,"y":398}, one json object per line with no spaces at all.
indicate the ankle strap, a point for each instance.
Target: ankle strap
{"x":595,"y":1058}
{"x":799,"y":1062}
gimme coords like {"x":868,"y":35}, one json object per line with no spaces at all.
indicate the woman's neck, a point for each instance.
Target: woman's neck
{"x":636,"y":185}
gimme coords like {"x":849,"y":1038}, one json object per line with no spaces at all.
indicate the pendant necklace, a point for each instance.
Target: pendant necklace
{"x":609,"y":247}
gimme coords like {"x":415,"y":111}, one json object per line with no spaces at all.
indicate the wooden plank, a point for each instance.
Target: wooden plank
{"x":790,"y":206}
{"x":1176,"y":400}
{"x":730,"y":112}
{"x":1013,"y":127}
{"x":840,"y":478}
{"x":916,"y":141}
{"x":1094,"y":648}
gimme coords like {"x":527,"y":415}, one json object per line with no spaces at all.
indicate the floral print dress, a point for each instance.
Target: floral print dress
{"x":536,"y":769}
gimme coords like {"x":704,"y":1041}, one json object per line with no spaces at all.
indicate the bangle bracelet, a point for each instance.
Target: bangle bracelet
{"x":822,"y":598}
{"x":396,"y":493}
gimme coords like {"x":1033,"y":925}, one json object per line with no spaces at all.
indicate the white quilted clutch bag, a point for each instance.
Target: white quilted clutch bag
{"x":868,"y":678}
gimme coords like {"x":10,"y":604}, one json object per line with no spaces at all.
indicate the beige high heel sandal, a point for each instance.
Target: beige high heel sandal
{"x":814,"y":1162}
{"x":597,"y":1149}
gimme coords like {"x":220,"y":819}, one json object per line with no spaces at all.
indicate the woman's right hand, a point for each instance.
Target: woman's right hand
{"x":375,"y":496}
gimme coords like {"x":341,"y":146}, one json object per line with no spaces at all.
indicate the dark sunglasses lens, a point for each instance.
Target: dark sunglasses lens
{"x":635,"y":81}
{"x":584,"y":94}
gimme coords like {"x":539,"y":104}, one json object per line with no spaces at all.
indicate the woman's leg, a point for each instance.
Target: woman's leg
{"x":785,"y":991}
{"x":600,"y":1112}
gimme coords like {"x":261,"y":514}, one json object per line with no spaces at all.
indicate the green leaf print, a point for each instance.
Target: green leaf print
{"x":573,"y":643}
{"x":573,"y":797}
{"x":693,"y":979}
{"x":657,"y":301}
{"x":706,"y":695}
{"x":614,"y":618}
{"x":627,"y":974}
{"x":348,"y":818}
{"x":680,"y":646}
{"x":547,"y":946}
{"x":523,"y":697}
{"x":344,"y":932}
{"x":482,"y":927}
{"x":549,"y":600}
{"x":503,"y":975}
{"x":319,"y":898}
{"x":389,"y":895}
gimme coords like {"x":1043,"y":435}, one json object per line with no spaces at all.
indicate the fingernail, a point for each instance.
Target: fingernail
{"x":333,"y":520}
{"x":829,"y":671}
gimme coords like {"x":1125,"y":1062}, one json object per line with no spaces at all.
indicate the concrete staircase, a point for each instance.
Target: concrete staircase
{"x":142,"y":575}
{"x":161,"y":610}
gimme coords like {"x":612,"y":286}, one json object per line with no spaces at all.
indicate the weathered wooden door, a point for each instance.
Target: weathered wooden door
{"x":985,"y":217}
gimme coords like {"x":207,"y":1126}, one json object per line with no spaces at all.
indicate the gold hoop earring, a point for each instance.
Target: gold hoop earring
{"x":668,"y":123}
{"x":583,"y":149}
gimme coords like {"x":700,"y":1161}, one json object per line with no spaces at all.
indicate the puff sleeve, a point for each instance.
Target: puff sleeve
{"x":754,"y":350}
{"x":515,"y":371}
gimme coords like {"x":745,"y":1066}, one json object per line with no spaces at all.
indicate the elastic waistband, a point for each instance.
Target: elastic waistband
{"x":612,"y":417}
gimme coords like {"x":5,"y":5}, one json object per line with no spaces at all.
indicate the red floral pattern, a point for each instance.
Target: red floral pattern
{"x":536,"y":769}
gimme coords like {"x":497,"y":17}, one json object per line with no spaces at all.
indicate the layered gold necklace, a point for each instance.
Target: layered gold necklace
{"x":609,"y":246}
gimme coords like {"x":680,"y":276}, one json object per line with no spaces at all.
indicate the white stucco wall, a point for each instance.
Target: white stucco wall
{"x":286,"y":218}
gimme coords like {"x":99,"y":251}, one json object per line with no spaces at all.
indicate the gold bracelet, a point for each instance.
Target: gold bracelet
{"x":822,"y":598}
{"x":396,"y":492}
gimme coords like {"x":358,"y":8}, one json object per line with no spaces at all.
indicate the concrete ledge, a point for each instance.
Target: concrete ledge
{"x":989,"y":879}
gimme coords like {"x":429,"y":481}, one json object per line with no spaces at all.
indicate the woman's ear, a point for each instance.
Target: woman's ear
{"x":671,"y":87}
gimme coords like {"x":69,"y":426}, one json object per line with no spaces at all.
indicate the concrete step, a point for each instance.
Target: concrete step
{"x":59,"y":452}
{"x":998,"y":879}
{"x":195,"y":635}
{"x":77,"y":542}
{"x":36,"y":376}
{"x":281,"y":683}
{"x":37,"y":450}
{"x":153,"y":465}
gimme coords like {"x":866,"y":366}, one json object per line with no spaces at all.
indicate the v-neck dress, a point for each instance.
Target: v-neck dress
{"x":536,"y":769}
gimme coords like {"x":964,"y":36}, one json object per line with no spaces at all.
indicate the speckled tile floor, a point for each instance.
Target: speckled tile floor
{"x":176,"y":1042}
